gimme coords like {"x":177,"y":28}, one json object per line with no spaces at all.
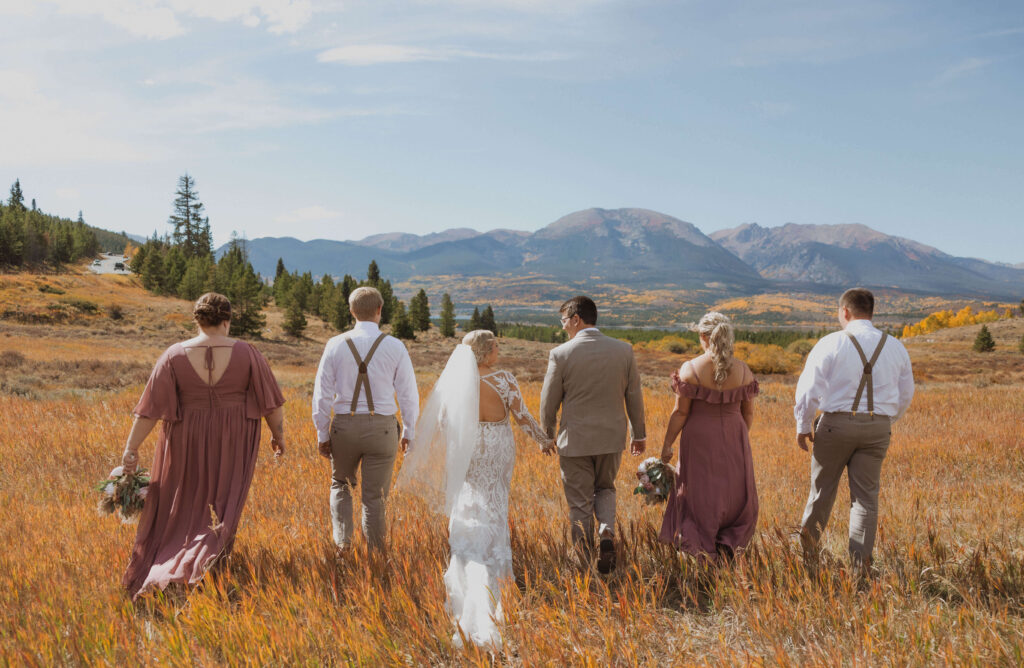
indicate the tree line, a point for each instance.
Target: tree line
{"x":31,"y":239}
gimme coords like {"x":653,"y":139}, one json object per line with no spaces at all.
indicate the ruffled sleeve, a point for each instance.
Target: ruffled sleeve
{"x":263,"y":394}
{"x":159,"y":400}
{"x":711,"y":395}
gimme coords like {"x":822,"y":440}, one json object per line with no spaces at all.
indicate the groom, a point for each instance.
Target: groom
{"x":595,"y":381}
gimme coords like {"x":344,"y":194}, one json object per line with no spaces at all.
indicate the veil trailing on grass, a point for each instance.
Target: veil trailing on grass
{"x":446,"y":434}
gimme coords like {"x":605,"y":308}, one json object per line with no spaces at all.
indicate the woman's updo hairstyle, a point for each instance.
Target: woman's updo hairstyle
{"x":482,"y":341}
{"x":211,"y":309}
{"x":717,"y":329}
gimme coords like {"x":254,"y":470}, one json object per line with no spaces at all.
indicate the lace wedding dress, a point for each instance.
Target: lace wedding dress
{"x":481,"y":552}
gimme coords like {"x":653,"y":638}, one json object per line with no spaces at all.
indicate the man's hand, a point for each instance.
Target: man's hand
{"x":636,"y":448}
{"x":325,"y":449}
{"x":803,"y":439}
{"x":405,"y":445}
{"x":549,"y":448}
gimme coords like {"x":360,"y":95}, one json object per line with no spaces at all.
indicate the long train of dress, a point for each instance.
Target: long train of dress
{"x":481,"y":550}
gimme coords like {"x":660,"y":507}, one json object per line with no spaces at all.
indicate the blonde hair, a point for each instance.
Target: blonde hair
{"x":717,"y":329}
{"x":482,"y":342}
{"x":211,"y":309}
{"x":365,"y":302}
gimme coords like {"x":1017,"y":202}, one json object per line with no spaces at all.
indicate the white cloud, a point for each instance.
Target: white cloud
{"x":961,"y":69}
{"x":376,"y":54}
{"x":308,"y":214}
{"x":161,"y":19}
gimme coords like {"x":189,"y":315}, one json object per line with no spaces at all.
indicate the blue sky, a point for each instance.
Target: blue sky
{"x":346,"y":118}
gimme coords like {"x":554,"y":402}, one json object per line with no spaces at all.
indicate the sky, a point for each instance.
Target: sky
{"x":345,"y":118}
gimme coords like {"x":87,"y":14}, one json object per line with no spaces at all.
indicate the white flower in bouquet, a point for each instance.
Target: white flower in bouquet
{"x":655,"y":480}
{"x":123,"y":493}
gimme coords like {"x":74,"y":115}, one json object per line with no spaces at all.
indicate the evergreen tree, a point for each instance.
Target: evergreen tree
{"x":191,"y":230}
{"x":474,"y":320}
{"x":390,"y":302}
{"x":139,"y":259}
{"x":34,"y":206}
{"x":1020,"y":344}
{"x":984,"y":343}
{"x":341,"y":318}
{"x":487,"y":320}
{"x":447,"y":316}
{"x":401,"y":326}
{"x":280,"y":269}
{"x":373,"y":274}
{"x":295,"y":319}
{"x":235,"y":278}
{"x":193,"y":282}
{"x":153,"y":270}
{"x":17,"y":198}
{"x":175,"y":265}
{"x":419,"y":311}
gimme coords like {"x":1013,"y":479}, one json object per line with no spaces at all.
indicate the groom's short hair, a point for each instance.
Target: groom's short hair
{"x":582,"y":306}
{"x":364,"y":302}
{"x":859,"y":301}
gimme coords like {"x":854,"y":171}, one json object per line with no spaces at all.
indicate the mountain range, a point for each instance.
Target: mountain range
{"x":639,"y":248}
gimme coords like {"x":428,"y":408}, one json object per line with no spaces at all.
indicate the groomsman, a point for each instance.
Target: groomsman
{"x":360,"y":374}
{"x":861,"y":380}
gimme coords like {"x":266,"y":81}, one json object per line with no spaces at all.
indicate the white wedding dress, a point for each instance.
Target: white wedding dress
{"x":481,"y":551}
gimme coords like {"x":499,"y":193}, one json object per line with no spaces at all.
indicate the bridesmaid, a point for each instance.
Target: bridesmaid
{"x":712,"y":511}
{"x":210,"y":393}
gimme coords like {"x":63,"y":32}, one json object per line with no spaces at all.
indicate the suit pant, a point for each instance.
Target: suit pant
{"x":857,"y":443}
{"x":370,"y":441}
{"x":589,"y":484}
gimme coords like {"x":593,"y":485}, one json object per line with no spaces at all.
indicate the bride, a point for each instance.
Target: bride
{"x":463,"y":457}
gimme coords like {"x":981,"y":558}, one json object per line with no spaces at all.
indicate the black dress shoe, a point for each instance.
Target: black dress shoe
{"x":606,"y":557}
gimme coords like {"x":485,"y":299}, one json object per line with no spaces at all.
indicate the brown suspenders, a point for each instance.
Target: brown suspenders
{"x":363,"y":379}
{"x":865,"y":378}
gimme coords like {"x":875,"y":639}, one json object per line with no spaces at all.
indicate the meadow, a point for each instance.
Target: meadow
{"x":949,"y":585}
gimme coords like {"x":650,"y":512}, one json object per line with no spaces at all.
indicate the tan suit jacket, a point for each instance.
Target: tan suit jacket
{"x":595,"y":381}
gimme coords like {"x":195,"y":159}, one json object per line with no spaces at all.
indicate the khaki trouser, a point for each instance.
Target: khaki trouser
{"x":371,"y":440}
{"x":857,"y":443}
{"x":589,"y":484}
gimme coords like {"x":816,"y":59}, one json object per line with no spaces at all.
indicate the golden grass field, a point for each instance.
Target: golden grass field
{"x":949,"y":556}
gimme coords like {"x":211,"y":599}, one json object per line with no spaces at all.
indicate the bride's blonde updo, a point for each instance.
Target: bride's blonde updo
{"x":482,"y":341}
{"x":211,"y":309}
{"x":717,"y":329}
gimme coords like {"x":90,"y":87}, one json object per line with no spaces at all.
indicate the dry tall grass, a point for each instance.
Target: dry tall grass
{"x":949,"y":558}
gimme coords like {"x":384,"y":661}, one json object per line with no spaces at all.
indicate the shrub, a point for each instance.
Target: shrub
{"x":10,"y":359}
{"x":767,"y":358}
{"x":115,"y":312}
{"x":50,"y":289}
{"x":83,"y":305}
{"x":1020,"y":345}
{"x":671,"y":344}
{"x":801,"y":347}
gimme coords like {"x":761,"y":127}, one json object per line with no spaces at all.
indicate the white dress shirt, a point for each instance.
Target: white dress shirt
{"x":834,"y":368}
{"x":390,"y":373}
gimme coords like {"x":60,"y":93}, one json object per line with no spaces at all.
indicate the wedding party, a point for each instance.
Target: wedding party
{"x":459,"y":453}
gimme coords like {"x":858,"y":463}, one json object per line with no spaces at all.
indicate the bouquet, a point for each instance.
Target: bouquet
{"x":656,"y":480}
{"x":123,"y":493}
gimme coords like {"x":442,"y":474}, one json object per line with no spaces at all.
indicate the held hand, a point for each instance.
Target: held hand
{"x":325,"y":449}
{"x":278,"y":445}
{"x":549,"y":448}
{"x":637,"y":448}
{"x":129,"y":461}
{"x":405,"y":445}
{"x":803,"y":439}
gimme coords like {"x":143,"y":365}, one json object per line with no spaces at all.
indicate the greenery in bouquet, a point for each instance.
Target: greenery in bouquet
{"x":123,"y":493}
{"x":655,"y":480}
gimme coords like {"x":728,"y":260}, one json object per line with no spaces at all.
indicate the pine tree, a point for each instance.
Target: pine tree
{"x":984,"y":343}
{"x":295,"y":319}
{"x":419,"y":311}
{"x":401,"y":326}
{"x":35,"y":209}
{"x":17,"y":198}
{"x":193,"y":282}
{"x":390,"y":302}
{"x":191,"y":230}
{"x":280,"y":269}
{"x":487,"y":320}
{"x":474,"y":320}
{"x":447,"y":316}
{"x":341,"y":318}
{"x":235,"y":278}
{"x":373,"y":274}
{"x":153,"y":270}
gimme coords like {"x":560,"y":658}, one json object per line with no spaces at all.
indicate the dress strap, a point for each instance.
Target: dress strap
{"x":363,"y":378}
{"x":866,"y":378}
